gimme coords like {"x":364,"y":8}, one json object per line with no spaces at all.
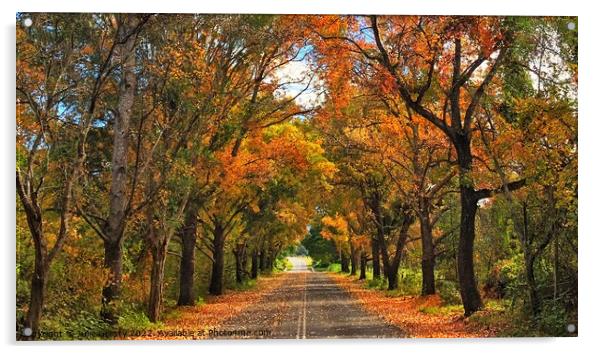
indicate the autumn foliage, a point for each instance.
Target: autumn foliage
{"x":164,"y":158}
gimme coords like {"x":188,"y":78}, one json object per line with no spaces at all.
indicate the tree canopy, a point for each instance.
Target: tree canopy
{"x":158,"y":154}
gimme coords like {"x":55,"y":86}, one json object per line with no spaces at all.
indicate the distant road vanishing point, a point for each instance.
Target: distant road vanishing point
{"x":307,"y":305}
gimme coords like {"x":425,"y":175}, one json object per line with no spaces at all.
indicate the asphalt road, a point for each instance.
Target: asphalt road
{"x":308,"y":305}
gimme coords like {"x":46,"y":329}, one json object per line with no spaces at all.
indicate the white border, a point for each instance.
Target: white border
{"x":590,"y":129}
{"x":435,"y":7}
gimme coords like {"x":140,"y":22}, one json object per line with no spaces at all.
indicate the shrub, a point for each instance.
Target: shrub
{"x":503,"y":279}
{"x":334,"y":267}
{"x":245,"y":285}
{"x":85,"y":325}
{"x":135,"y":320}
{"x":377,"y":283}
{"x":553,"y":319}
{"x":410,"y":281}
{"x":282,"y":264}
{"x":449,"y":292}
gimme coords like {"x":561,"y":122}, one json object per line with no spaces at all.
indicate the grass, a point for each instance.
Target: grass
{"x":377,"y":283}
{"x":497,"y":318}
{"x":442,"y":310}
{"x":137,"y":321}
{"x":245,"y":285}
{"x":334,"y":267}
{"x":287,"y":264}
{"x":328,"y":267}
{"x":281,"y":265}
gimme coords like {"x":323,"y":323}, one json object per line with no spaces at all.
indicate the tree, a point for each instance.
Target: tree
{"x":438,"y":80}
{"x":128,"y":28}
{"x":62,"y":66}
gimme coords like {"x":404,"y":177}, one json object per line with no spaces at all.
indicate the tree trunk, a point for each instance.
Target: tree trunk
{"x":239,"y":255}
{"x":254,"y":265}
{"x":393,"y":276}
{"x":217,"y":269}
{"x":428,"y":276}
{"x":428,"y":256}
{"x":36,"y":299}
{"x":471,"y":299}
{"x":375,"y":259}
{"x":39,"y":277}
{"x":118,"y":197}
{"x":155,"y":301}
{"x":363,"y":261}
{"x":244,"y":264}
{"x":188,"y":238}
{"x":353,"y":259}
{"x":531,"y":284}
{"x":262,"y":261}
{"x":391,"y":266}
{"x":114,"y":263}
{"x":556,"y":266}
{"x":344,"y":263}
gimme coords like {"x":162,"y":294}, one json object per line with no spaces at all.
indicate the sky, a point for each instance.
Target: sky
{"x":299,"y":74}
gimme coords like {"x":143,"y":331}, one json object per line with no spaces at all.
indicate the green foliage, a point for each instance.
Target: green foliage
{"x":245,"y":285}
{"x":326,"y":267}
{"x":321,"y":250}
{"x":448,"y":291}
{"x":84,"y":325}
{"x":441,"y":310}
{"x":376,"y":283}
{"x":334,"y":267}
{"x":281,"y":264}
{"x":410,"y":281}
{"x":134,"y":319}
{"x":553,"y":319}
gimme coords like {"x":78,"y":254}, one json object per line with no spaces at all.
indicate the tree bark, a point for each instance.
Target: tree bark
{"x":469,"y":198}
{"x":118,"y":198}
{"x":393,"y":276}
{"x":344,"y":263}
{"x":428,"y":256}
{"x":530,"y":258}
{"x":36,"y":300}
{"x":244,"y":263}
{"x":217,"y":268}
{"x":353,"y":259}
{"x":40,"y":274}
{"x":158,"y":238}
{"x":262,"y":261}
{"x":254,"y":265}
{"x":391,"y":266}
{"x":531,"y":284}
{"x":363,"y":261}
{"x":375,"y":258}
{"x":114,"y":263}
{"x":155,"y":301}
{"x":187,"y":262}
{"x":471,"y":299}
{"x":239,"y":255}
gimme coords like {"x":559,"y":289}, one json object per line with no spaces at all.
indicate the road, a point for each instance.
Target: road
{"x":308,"y":305}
